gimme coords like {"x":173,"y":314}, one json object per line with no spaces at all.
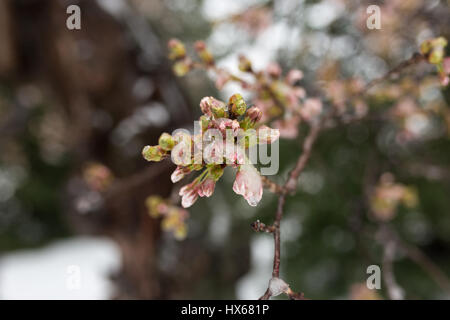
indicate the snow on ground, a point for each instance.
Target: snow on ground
{"x":77,"y":268}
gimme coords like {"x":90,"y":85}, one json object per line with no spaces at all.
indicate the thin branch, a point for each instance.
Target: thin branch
{"x":421,"y":259}
{"x":290,"y":185}
{"x":395,"y":292}
{"x":415,"y":59}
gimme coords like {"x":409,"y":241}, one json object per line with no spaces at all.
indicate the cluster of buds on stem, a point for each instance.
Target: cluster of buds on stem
{"x":434,"y":52}
{"x":173,"y":217}
{"x":280,"y":99}
{"x":227,"y":131}
{"x":98,"y":176}
{"x":388,"y":195}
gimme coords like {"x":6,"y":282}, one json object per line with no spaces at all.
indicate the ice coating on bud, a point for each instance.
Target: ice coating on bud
{"x":189,"y":195}
{"x":248,"y":183}
{"x":166,"y":142}
{"x":219,"y":110}
{"x":205,"y":105}
{"x":179,"y":173}
{"x":206,"y":188}
{"x":153,"y":153}
{"x":224,"y":123}
{"x":238,"y":105}
{"x":254,"y":114}
{"x":277,"y":286}
{"x":177,"y":49}
{"x":213,"y":107}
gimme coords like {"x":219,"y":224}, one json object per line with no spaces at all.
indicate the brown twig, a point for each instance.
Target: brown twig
{"x":416,"y":58}
{"x":394,"y":291}
{"x":290,"y":185}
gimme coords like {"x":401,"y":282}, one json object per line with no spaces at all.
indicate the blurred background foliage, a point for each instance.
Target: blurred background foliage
{"x":56,"y":118}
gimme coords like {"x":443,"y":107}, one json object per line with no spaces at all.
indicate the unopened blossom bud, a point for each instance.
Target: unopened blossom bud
{"x":425,"y":47}
{"x":189,"y":195}
{"x":204,"y":122}
{"x":254,"y":114}
{"x":293,"y":76}
{"x":177,"y":49}
{"x":153,"y":153}
{"x":166,"y":142}
{"x":205,"y":105}
{"x":180,"y":232}
{"x":211,"y":106}
{"x":206,"y":188}
{"x":440,"y":42}
{"x":219,"y":111}
{"x":248,"y":183}
{"x":182,"y":67}
{"x":152,"y":204}
{"x":203,"y":52}
{"x":436,"y":55}
{"x":434,"y":49}
{"x":237,"y":104}
{"x":245,"y":64}
{"x":446,"y":65}
{"x":179,"y":173}
{"x":274,"y":69}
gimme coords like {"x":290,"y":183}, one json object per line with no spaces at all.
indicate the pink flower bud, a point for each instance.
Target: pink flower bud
{"x":206,"y":189}
{"x":293,"y":76}
{"x":177,"y":49}
{"x":248,"y":183}
{"x":254,"y":113}
{"x":311,"y":108}
{"x":274,"y":69}
{"x":446,"y":65}
{"x":189,"y":195}
{"x":179,"y":173}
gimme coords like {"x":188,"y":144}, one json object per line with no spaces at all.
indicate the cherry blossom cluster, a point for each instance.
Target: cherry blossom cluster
{"x":388,"y":195}
{"x":98,"y":176}
{"x":282,"y":101}
{"x":173,"y":217}
{"x":227,"y":131}
{"x":434,"y":52}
